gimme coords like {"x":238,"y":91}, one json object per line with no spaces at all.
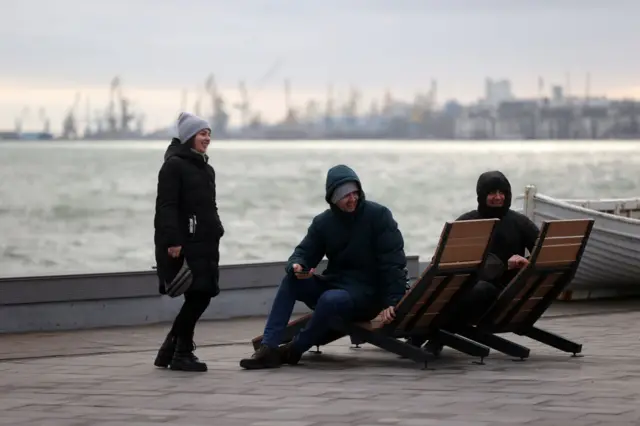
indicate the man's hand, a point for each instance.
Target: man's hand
{"x":517,"y":262}
{"x":300,"y":273}
{"x":388,"y":315}
{"x":175,"y":251}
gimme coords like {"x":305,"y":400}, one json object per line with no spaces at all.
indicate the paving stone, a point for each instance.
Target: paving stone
{"x":342,"y":386}
{"x":632,"y":416}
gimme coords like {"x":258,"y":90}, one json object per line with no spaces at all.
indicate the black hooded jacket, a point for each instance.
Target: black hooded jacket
{"x":514,"y":232}
{"x":173,"y":147}
{"x":187,"y":215}
{"x":365,"y":248}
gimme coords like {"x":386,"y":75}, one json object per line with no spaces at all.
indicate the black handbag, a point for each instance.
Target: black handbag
{"x":181,"y":282}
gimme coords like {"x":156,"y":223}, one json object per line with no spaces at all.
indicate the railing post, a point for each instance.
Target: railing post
{"x":529,"y":200}
{"x":617,"y":208}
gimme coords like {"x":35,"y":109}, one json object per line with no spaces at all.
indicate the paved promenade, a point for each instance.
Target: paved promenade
{"x":106,"y":378}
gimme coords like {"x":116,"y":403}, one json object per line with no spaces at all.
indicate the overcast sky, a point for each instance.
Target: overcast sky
{"x":51,"y":49}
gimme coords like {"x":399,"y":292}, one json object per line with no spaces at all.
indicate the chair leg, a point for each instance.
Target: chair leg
{"x":498,"y":343}
{"x":391,"y":344}
{"x":330,"y":337}
{"x":463,"y":344}
{"x":553,"y":340}
{"x":355,"y":342}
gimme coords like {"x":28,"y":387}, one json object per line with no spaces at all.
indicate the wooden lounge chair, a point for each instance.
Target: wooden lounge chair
{"x":552,"y":265}
{"x":462,"y":250}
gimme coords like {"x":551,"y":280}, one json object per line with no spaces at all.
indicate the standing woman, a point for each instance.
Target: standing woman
{"x":187,"y":226}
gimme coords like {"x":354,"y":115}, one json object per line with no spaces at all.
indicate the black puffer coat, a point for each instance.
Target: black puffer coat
{"x":187,"y":215}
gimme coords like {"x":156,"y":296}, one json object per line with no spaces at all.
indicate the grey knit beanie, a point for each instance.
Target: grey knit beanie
{"x":189,"y":125}
{"x":342,"y":190}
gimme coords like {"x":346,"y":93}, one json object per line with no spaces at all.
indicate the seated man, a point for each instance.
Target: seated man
{"x":365,"y":276}
{"x":514,"y":233}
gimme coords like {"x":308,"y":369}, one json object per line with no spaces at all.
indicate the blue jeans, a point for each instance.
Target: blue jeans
{"x":330,"y":305}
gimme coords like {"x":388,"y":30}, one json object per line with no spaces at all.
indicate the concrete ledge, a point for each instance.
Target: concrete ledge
{"x":68,"y":302}
{"x":87,"y":314}
{"x":119,"y":285}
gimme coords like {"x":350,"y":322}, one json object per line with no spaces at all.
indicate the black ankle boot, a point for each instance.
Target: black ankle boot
{"x":184,"y":359}
{"x":165,"y":353}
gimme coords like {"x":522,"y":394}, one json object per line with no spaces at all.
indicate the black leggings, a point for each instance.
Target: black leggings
{"x":195,"y":303}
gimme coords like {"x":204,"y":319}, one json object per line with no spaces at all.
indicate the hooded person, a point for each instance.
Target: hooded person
{"x":365,"y":276}
{"x":187,"y":228}
{"x":514,"y":233}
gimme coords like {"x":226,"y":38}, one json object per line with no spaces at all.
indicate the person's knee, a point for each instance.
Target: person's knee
{"x":287,"y":284}
{"x":337,"y":302}
{"x":485,"y":288}
{"x":484,"y":294}
{"x":301,"y":290}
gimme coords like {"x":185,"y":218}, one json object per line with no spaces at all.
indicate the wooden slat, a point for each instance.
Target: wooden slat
{"x":542,"y":290}
{"x":416,"y":284}
{"x":454,"y":283}
{"x":558,"y":253}
{"x":470,"y":241}
{"x":555,"y":264}
{"x":466,"y":243}
{"x":558,"y":241}
{"x":464,"y":246}
{"x":418,"y":305}
{"x":529,"y":304}
{"x":567,"y":228}
{"x":442,"y":300}
{"x":462,"y":253}
{"x":530,"y":281}
{"x":452,"y":265}
{"x":547,"y":284}
{"x":471,"y":228}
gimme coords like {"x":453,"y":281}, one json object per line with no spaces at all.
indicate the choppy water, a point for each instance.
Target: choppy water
{"x":88,"y":206}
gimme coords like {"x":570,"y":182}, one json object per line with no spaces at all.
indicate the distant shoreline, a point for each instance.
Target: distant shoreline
{"x":357,"y":140}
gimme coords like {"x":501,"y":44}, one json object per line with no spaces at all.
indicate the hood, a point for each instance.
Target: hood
{"x":183,"y":150}
{"x":338,"y":175}
{"x":173,"y":147}
{"x":487,"y":183}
